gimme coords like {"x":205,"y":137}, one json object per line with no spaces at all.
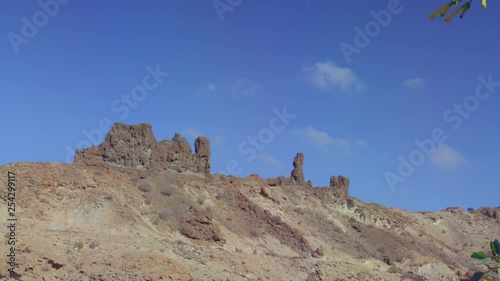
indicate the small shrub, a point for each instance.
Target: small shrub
{"x":94,"y":244}
{"x":167,"y":191}
{"x":394,"y":269}
{"x":78,"y":245}
{"x":108,"y":196}
{"x":145,"y":187}
{"x":98,"y":173}
{"x":148,"y":200}
{"x":163,"y":215}
{"x":299,"y":211}
{"x":200,"y":200}
{"x":134,"y":178}
{"x":276,"y":219}
{"x":254,"y":233}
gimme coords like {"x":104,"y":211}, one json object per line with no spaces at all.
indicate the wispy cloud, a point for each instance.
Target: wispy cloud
{"x":321,"y":140}
{"x":268,"y":160}
{"x":362,"y":143}
{"x":244,"y":88}
{"x":218,"y":140}
{"x":327,"y":76}
{"x":208,"y":91}
{"x":447,"y":158}
{"x":211,"y":88}
{"x":415,"y":83}
{"x":193,"y":133}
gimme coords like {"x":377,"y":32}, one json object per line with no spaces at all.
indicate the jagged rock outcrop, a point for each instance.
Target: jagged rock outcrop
{"x":135,"y":146}
{"x":297,"y":175}
{"x":340,"y":184}
{"x":202,"y":147}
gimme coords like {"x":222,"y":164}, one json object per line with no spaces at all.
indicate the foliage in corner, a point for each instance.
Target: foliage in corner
{"x":464,"y":8}
{"x":493,"y":261}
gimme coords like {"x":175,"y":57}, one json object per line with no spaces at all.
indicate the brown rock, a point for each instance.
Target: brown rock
{"x":202,"y":147}
{"x":340,"y":184}
{"x":265,"y":191}
{"x":272,"y":182}
{"x":297,"y":175}
{"x":135,"y":146}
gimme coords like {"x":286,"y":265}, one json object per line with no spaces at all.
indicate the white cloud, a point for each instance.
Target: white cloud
{"x":244,"y":88}
{"x":217,"y":140}
{"x":267,"y":159}
{"x":211,"y":88}
{"x":447,"y":158}
{"x":362,"y":143}
{"x":321,"y":140}
{"x":189,"y":132}
{"x":327,"y":76}
{"x":415,"y":83}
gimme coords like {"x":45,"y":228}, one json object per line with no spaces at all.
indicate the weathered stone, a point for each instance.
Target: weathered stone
{"x":297,"y":175}
{"x":135,"y":146}
{"x":202,"y":147}
{"x":340,"y":184}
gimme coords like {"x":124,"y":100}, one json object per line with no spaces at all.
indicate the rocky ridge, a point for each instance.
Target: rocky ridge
{"x":133,"y":208}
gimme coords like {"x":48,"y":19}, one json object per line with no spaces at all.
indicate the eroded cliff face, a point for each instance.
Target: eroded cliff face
{"x":134,"y":208}
{"x":135,"y":146}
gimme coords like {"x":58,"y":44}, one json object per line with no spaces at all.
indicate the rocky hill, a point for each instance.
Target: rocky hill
{"x":134,"y":208}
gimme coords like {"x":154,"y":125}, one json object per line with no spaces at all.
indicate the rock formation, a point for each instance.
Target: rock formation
{"x":297,"y":175}
{"x":339,"y":184}
{"x":135,"y":146}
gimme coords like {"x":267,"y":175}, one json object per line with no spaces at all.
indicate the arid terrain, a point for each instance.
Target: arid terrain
{"x":134,"y":208}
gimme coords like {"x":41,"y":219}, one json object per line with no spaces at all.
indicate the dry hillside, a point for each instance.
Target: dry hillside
{"x":134,"y":208}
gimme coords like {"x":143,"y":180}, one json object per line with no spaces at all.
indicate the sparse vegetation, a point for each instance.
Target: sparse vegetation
{"x":108,"y":196}
{"x":94,"y":244}
{"x":145,"y":187}
{"x":78,"y":245}
{"x":148,"y":199}
{"x":276,"y":219}
{"x":134,"y":178}
{"x":254,"y":233}
{"x":163,"y":215}
{"x":167,"y":191}
{"x":299,"y":211}
{"x":200,"y":200}
{"x":394,"y":269}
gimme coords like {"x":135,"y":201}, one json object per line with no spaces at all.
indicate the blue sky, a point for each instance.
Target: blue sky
{"x":232,"y":73}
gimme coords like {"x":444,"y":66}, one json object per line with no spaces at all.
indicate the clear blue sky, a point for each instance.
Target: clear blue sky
{"x":354,"y":114}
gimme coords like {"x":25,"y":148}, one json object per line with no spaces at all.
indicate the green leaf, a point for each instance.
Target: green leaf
{"x":477,"y":276}
{"x":493,"y":251}
{"x":496,"y":243}
{"x":487,"y":279}
{"x":486,"y":260}
{"x":465,"y":7}
{"x":478,"y":255}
